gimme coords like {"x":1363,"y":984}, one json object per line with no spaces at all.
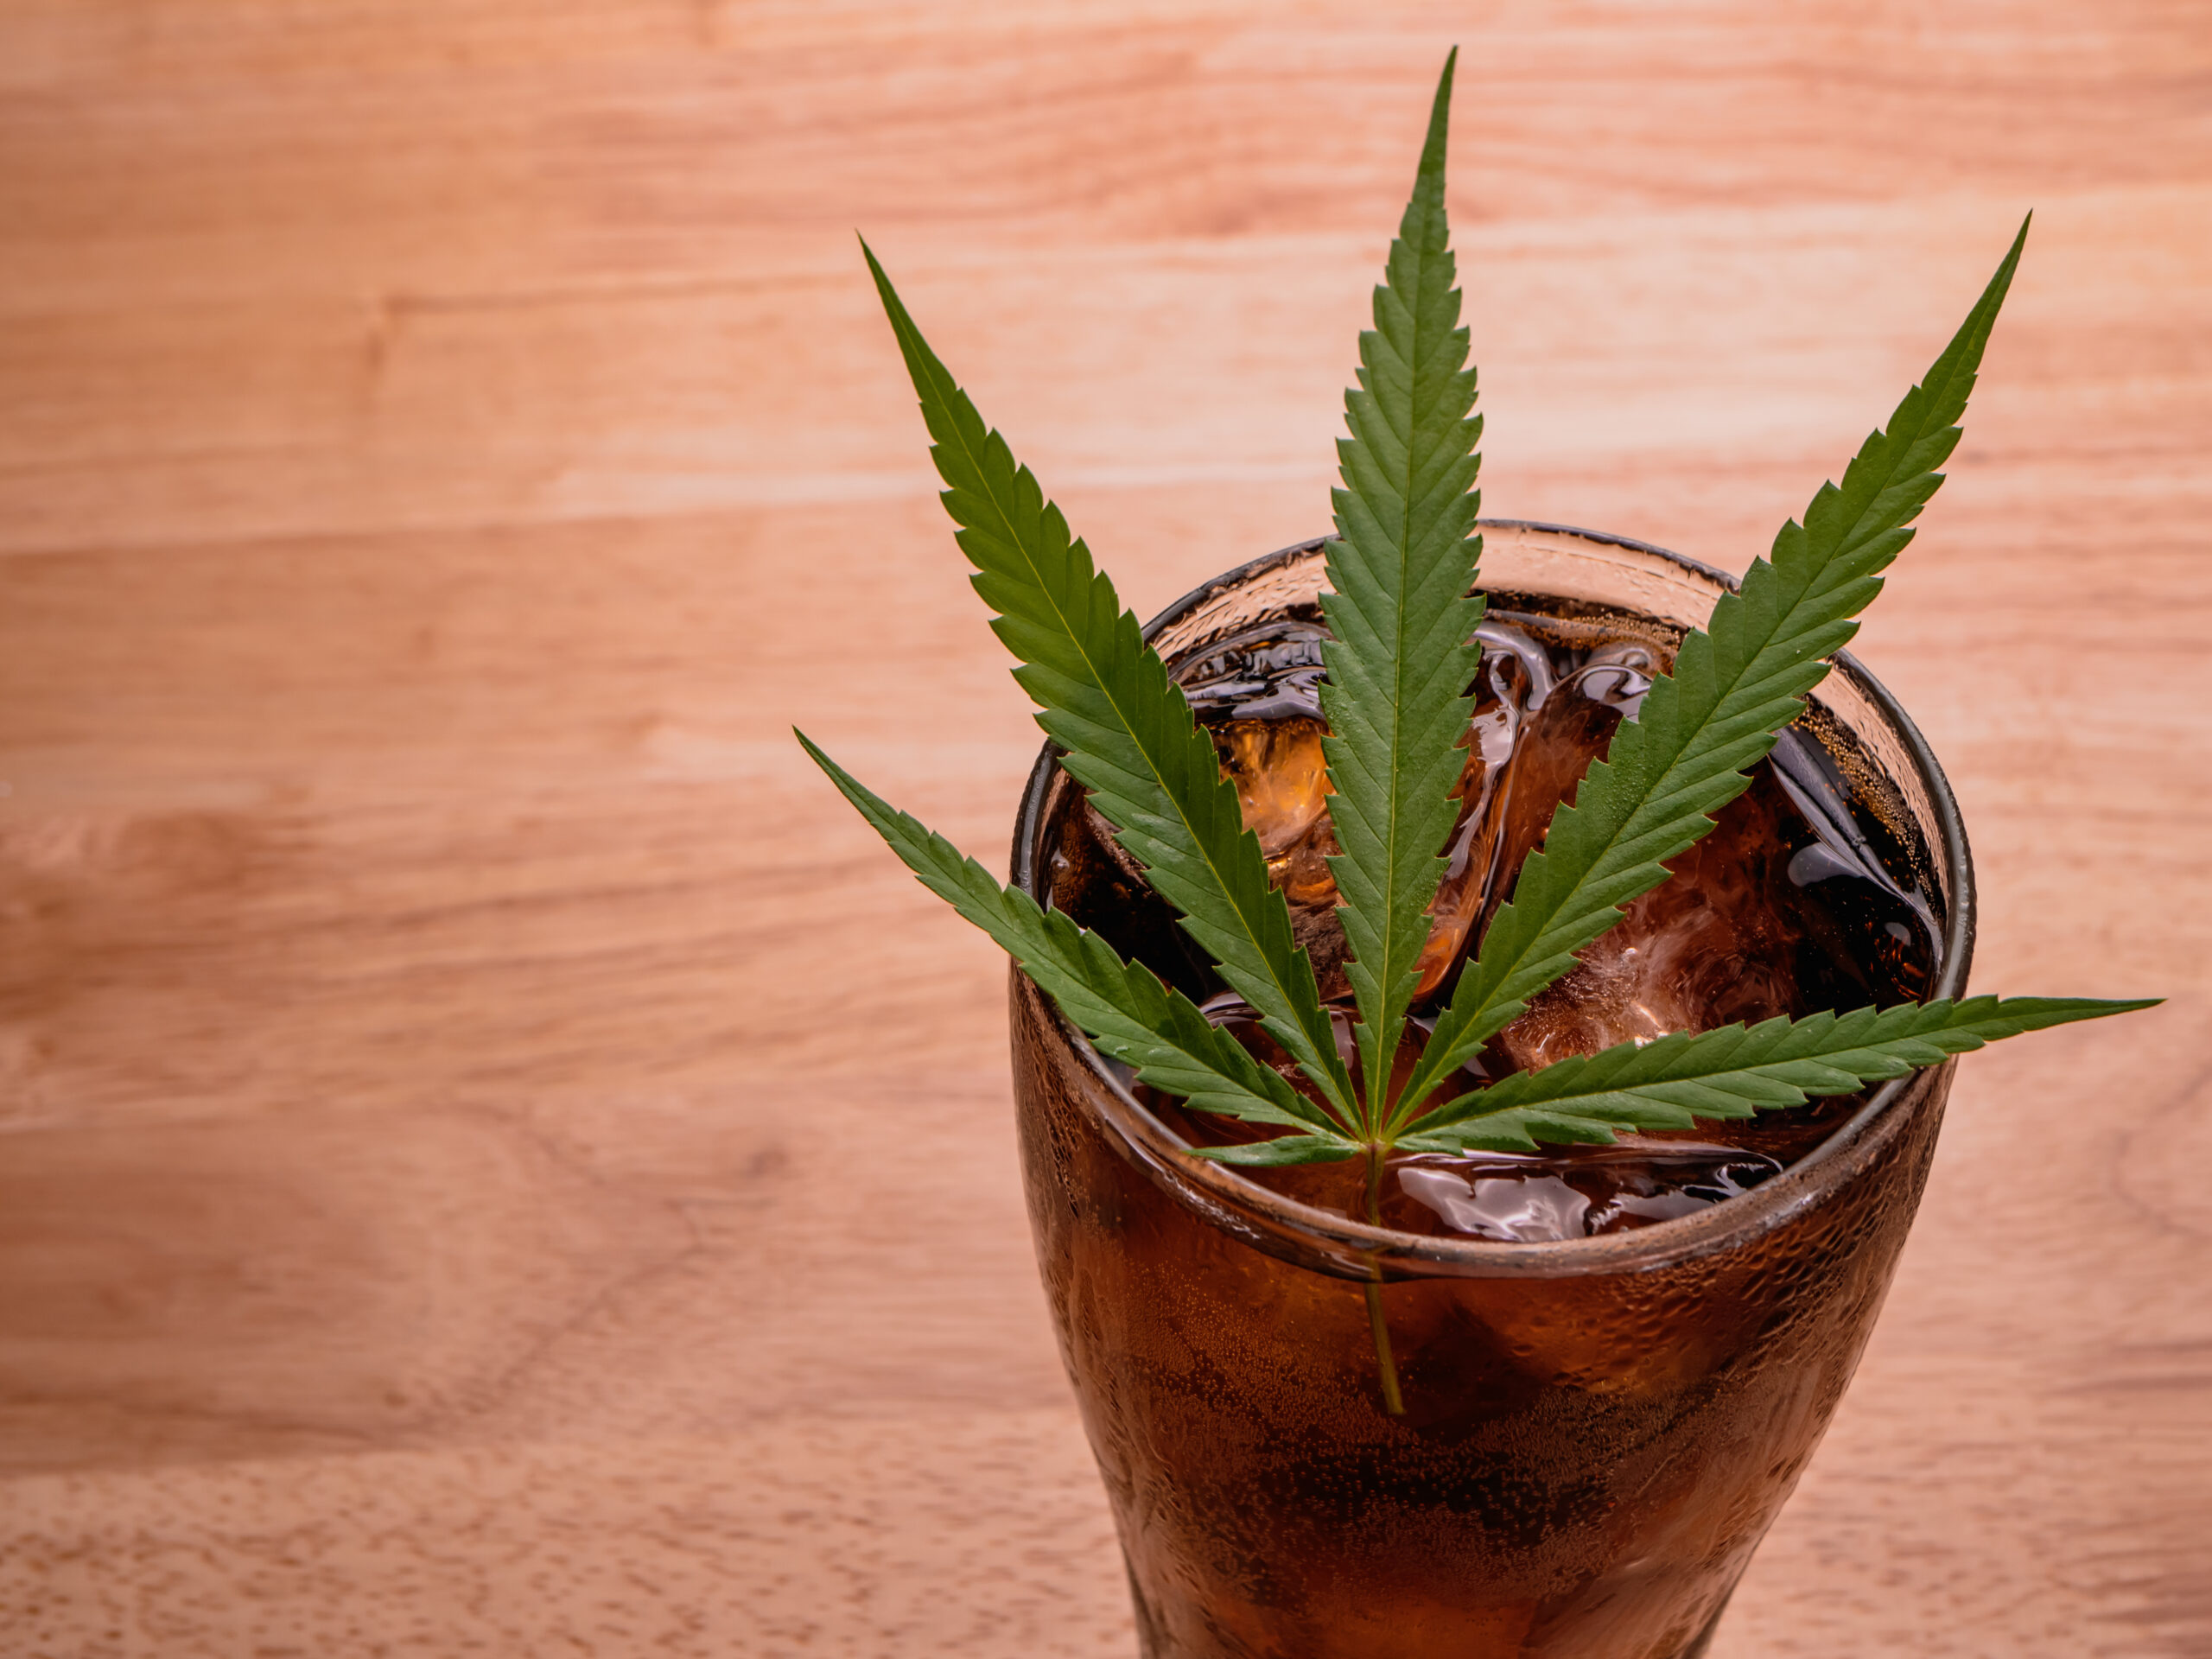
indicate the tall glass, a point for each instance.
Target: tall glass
{"x":1597,"y":1432}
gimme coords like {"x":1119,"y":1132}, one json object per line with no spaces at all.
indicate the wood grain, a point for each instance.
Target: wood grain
{"x":444,"y":447}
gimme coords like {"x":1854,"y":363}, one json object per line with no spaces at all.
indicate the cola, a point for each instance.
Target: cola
{"x":1612,"y":1361}
{"x":1786,"y":907}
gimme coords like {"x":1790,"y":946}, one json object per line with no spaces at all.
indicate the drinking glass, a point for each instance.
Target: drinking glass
{"x":1597,"y":1431}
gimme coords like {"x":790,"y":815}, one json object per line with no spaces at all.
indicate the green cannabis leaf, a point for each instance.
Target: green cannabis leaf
{"x":1401,"y":657}
{"x":1400,"y":661}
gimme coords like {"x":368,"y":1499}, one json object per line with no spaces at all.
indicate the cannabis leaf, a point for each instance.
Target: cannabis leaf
{"x":1106,"y":697}
{"x":1400,"y":661}
{"x":1730,"y":1073}
{"x":1735,"y":684}
{"x":1401,"y":656}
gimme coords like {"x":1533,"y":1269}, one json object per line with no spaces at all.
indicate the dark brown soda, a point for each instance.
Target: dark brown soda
{"x":1588,"y":1452}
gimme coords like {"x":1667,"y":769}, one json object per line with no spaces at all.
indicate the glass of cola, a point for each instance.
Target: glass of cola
{"x":1615,"y":1362}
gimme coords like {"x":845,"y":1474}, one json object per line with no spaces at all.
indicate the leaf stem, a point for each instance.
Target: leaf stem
{"x":1392,"y":1402}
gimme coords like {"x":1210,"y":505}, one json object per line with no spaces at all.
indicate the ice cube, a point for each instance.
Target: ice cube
{"x":1574,"y":1192}
{"x":1525,"y":1207}
{"x":1707,"y":947}
{"x":1750,"y":925}
{"x":1283,"y":786}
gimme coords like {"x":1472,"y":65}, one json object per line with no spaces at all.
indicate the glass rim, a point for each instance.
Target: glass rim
{"x":1329,"y":1240}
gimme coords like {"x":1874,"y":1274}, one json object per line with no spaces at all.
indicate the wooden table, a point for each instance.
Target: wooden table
{"x":450,"y":1031}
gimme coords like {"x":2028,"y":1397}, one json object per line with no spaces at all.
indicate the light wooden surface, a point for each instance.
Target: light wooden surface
{"x":448,"y":1029}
